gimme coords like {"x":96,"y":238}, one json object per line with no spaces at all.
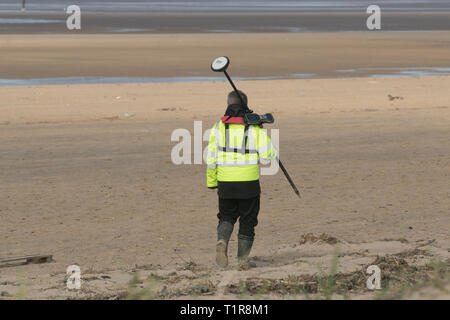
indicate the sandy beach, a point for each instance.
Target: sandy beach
{"x":86,"y":172}
{"x":86,"y":176}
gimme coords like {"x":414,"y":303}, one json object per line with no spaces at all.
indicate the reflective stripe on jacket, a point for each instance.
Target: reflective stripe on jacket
{"x":234,"y":151}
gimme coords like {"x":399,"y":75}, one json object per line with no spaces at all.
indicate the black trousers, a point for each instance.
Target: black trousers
{"x":245,"y":209}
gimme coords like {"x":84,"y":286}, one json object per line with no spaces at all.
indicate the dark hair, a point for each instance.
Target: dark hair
{"x":233,"y":98}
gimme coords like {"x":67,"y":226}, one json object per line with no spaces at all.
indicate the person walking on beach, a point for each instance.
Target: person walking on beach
{"x":234,"y":151}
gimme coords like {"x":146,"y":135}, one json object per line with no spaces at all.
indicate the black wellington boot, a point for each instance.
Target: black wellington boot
{"x":224,"y":231}
{"x":245,"y":244}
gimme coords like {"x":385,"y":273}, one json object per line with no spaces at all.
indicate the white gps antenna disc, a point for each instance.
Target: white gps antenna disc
{"x":220,"y":64}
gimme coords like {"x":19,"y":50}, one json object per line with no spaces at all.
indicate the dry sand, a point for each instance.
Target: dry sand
{"x":82,"y":181}
{"x":86,"y":175}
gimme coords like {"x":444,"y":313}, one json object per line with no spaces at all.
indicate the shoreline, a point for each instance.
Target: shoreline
{"x":376,"y":73}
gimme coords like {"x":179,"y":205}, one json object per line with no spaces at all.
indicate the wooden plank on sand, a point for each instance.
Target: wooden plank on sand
{"x":32,"y":258}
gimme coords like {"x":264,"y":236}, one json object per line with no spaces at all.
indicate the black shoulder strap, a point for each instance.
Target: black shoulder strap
{"x":227,"y":136}
{"x":244,"y":140}
{"x":243,"y":148}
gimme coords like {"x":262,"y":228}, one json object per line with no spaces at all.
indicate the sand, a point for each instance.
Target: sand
{"x":253,"y":55}
{"x":95,"y":187}
{"x":86,"y":173}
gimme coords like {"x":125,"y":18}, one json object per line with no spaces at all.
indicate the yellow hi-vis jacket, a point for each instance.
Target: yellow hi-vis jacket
{"x":234,"y":151}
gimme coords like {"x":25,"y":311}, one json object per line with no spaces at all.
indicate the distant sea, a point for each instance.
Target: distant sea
{"x":149,"y":16}
{"x":230,"y":6}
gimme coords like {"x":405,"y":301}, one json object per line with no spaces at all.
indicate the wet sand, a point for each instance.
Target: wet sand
{"x":252,"y":55}
{"x":121,"y":21}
